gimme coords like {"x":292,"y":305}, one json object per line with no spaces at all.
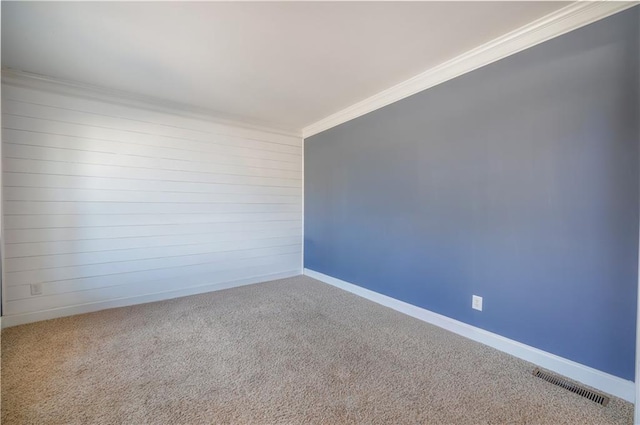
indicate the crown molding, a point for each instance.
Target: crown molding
{"x":18,"y":78}
{"x":566,"y":19}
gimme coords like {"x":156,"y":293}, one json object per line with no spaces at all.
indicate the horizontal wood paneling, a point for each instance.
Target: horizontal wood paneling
{"x":100,"y":270}
{"x":222,"y":155}
{"x":19,"y":236}
{"x":31,"y":250}
{"x":17,"y":151}
{"x":59,"y":168}
{"x":133,"y":285}
{"x":105,"y":201}
{"x":86,"y":102}
{"x":97,"y":207}
{"x":89,"y":252}
{"x":21,"y":179}
{"x":188,"y":140}
{"x":92,"y":195}
{"x":102,"y":220}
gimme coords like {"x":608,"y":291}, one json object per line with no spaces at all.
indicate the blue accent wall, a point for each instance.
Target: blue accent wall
{"x":517,"y":182}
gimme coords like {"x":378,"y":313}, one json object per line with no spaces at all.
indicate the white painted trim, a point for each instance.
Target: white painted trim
{"x":594,"y":378}
{"x":2,"y":268}
{"x":303,"y":179}
{"x":42,"y":82}
{"x":636,"y":416}
{"x":567,"y":19}
{"x":21,"y":319}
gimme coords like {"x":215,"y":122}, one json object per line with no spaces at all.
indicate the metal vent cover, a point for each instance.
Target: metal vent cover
{"x":574,"y":388}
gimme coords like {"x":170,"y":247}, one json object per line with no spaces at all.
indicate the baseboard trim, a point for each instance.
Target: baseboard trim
{"x":21,"y":319}
{"x":589,"y":376}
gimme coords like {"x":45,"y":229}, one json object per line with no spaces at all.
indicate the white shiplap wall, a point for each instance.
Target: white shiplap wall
{"x":107,"y":204}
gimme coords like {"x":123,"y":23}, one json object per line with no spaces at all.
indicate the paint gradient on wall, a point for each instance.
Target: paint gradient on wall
{"x":517,"y":182}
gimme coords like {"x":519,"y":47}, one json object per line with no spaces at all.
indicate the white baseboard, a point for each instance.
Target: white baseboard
{"x":21,"y":319}
{"x":589,"y":376}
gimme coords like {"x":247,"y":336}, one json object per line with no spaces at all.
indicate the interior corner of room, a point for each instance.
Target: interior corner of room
{"x":270,"y":214}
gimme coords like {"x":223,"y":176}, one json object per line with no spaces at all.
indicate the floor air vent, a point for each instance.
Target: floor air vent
{"x":574,"y":388}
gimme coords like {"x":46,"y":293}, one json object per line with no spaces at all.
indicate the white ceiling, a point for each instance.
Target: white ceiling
{"x":281,"y":64}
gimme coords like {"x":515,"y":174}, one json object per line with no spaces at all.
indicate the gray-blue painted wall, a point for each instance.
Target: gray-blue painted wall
{"x":517,"y":182}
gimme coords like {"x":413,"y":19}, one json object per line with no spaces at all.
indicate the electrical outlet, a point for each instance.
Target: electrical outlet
{"x":36,"y":289}
{"x":476,"y":302}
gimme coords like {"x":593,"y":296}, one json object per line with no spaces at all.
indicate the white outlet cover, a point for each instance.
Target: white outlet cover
{"x":476,"y":302}
{"x":36,"y":289}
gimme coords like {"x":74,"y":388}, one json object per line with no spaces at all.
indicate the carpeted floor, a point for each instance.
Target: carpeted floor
{"x":292,"y":351}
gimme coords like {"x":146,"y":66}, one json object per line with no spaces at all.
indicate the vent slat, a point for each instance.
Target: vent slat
{"x":581,"y":391}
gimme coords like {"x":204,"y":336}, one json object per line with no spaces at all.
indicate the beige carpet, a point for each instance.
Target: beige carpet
{"x":293,"y":351}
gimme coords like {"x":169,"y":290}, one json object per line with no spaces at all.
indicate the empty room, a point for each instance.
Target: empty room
{"x":320,"y":212}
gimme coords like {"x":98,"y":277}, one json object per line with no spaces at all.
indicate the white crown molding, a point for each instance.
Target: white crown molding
{"x":602,"y":381}
{"x":564,"y":20}
{"x":42,"y":82}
